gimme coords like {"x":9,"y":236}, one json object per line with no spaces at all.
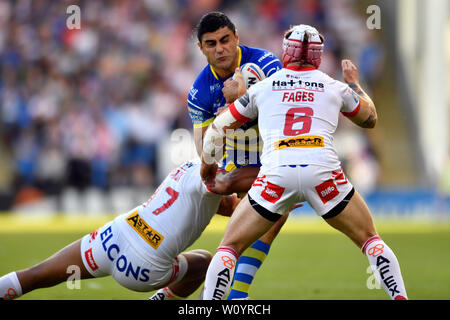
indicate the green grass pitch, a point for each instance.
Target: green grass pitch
{"x":309,"y":260}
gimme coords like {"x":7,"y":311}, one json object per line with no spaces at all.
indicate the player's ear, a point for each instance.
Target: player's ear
{"x":237,"y":37}
{"x":199,"y":45}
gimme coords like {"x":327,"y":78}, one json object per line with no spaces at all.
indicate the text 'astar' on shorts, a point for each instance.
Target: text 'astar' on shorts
{"x":151,"y":236}
{"x":300,"y":142}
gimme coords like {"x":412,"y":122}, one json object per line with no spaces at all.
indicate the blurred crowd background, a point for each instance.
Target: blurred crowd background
{"x":85,"y":114}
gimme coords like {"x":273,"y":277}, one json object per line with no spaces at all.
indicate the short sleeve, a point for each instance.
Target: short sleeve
{"x":270,"y":64}
{"x":244,"y":109}
{"x":199,"y":112}
{"x":350,"y":101}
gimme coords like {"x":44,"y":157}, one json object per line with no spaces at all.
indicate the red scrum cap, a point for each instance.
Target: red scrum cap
{"x":303,"y":43}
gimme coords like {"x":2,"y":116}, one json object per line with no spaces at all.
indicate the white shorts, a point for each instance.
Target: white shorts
{"x":107,"y":252}
{"x":276,"y":190}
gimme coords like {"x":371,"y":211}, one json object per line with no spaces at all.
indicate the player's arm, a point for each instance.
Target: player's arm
{"x":199,"y":133}
{"x":365,"y":115}
{"x":201,"y":118}
{"x":198,"y":139}
{"x":231,"y":119}
{"x":239,"y":180}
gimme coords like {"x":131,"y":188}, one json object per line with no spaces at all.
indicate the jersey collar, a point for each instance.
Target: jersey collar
{"x":299,"y":68}
{"x":239,"y":63}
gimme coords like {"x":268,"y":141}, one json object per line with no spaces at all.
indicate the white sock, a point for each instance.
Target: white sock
{"x":386,"y":268}
{"x":220,"y":274}
{"x":10,"y":287}
{"x":165,"y":294}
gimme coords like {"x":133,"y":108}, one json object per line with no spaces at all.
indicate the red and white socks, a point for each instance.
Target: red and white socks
{"x":220,"y":274}
{"x":10,"y":287}
{"x":382,"y":259}
{"x":386,"y":268}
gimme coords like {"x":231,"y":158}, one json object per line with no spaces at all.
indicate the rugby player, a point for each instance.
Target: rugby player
{"x":214,"y":89}
{"x":142,"y":249}
{"x":298,"y":110}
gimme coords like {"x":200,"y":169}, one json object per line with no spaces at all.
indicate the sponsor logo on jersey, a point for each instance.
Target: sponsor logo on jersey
{"x":300,"y":142}
{"x":122,"y":263}
{"x":354,"y":95}
{"x":193,"y":111}
{"x":90,"y":259}
{"x":177,"y":173}
{"x":193,"y":93}
{"x":196,"y":115}
{"x":267,"y":54}
{"x":259,"y":182}
{"x":244,"y":100}
{"x":339,"y":177}
{"x":297,"y":84}
{"x":92,"y":236}
{"x":215,"y":87}
{"x":150,"y":235}
{"x":327,"y":191}
{"x":272,"y":192}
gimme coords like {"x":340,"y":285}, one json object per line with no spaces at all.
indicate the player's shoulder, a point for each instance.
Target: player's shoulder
{"x":324,"y":77}
{"x":199,"y":94}
{"x":187,"y":175}
{"x":256,"y":53}
{"x":193,"y":182}
{"x":332,"y":85}
{"x":204,"y":79}
{"x":265,"y":59}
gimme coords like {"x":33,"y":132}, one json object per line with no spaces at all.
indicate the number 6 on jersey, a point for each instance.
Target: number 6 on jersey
{"x":292,"y":118}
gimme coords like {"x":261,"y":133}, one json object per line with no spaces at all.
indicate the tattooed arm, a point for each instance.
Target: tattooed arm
{"x":367,"y":115}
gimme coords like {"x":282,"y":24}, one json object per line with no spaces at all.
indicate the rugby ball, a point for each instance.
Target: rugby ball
{"x":251,"y":73}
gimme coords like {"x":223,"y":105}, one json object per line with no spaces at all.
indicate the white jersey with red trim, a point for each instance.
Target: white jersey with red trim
{"x":173,"y":218}
{"x":298,"y":112}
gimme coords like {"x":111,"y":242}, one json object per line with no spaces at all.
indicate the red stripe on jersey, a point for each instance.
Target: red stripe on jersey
{"x":239,"y":117}
{"x":354,"y":112}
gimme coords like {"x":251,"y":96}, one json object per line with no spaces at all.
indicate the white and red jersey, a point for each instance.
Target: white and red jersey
{"x":298,"y":112}
{"x":173,"y":218}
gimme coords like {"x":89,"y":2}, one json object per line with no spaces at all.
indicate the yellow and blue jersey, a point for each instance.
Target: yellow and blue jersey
{"x":206,"y":97}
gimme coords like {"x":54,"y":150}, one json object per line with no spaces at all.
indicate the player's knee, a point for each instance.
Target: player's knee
{"x":367,"y":230}
{"x":205,"y":257}
{"x":363,"y":236}
{"x":198,"y":262}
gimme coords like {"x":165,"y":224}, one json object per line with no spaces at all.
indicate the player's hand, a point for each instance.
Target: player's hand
{"x":234,"y":87}
{"x":349,"y":71}
{"x":227,"y":205}
{"x":208,"y":173}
